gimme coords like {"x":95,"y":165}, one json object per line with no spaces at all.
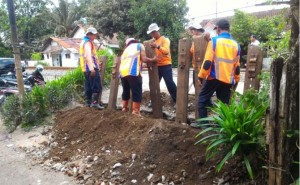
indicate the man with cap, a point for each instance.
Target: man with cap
{"x":220,"y":69}
{"x":130,"y":74}
{"x":161,"y":45}
{"x":90,"y":66}
{"x":197,"y":31}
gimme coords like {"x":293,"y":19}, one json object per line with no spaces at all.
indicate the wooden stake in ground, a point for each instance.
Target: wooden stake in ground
{"x":183,"y":80}
{"x":153,"y":82}
{"x":114,"y":85}
{"x":200,"y":44}
{"x":254,"y":66}
{"x":103,"y":61}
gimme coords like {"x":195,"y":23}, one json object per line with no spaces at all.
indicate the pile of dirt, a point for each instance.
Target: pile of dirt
{"x":124,"y":149}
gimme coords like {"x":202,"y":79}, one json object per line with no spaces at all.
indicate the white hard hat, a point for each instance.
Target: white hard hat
{"x":152,"y":27}
{"x":91,"y":30}
{"x":196,"y":26}
{"x":40,"y":68}
{"x":129,"y":40}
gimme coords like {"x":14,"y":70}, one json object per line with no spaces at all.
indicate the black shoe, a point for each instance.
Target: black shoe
{"x":97,"y":106}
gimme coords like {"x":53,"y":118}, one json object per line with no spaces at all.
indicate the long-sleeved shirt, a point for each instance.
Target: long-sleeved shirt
{"x":163,"y":53}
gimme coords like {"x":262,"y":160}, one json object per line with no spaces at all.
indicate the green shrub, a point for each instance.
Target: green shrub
{"x":11,"y":112}
{"x":42,"y":101}
{"x":109,"y":64}
{"x":239,"y":129}
{"x":43,"y":63}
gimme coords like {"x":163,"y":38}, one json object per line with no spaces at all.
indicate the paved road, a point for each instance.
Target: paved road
{"x":16,"y":168}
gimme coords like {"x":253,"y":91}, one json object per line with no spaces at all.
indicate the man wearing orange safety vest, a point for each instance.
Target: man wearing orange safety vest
{"x":220,"y":70}
{"x":130,"y":74}
{"x":164,"y":61}
{"x":90,"y":66}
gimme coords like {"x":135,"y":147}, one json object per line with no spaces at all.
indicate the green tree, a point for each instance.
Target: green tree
{"x":63,"y":17}
{"x":168,"y":14}
{"x":244,"y":25}
{"x":111,"y":16}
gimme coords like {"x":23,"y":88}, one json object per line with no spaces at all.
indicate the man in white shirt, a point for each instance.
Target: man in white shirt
{"x":254,"y":41}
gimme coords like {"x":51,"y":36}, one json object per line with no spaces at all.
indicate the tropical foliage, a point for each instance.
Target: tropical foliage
{"x":42,"y":101}
{"x":239,"y":130}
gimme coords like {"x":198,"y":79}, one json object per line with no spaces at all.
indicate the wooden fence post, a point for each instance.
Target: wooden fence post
{"x":200,"y":44}
{"x":153,"y":82}
{"x":253,"y":68}
{"x":114,"y":84}
{"x":103,"y":61}
{"x":183,"y":80}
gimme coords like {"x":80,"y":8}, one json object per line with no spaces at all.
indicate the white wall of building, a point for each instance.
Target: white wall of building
{"x":80,"y":33}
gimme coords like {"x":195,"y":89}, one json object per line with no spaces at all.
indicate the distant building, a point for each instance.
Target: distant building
{"x":64,"y":52}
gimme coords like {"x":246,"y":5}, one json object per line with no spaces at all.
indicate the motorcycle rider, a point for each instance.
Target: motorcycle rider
{"x":37,"y":76}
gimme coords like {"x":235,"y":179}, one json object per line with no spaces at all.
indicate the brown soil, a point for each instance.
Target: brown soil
{"x":162,"y":148}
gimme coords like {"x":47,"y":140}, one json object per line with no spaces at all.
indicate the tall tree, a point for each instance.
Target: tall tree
{"x":111,"y":16}
{"x":63,"y":17}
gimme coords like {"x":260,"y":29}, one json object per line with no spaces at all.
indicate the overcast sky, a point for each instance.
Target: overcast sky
{"x":204,"y":9}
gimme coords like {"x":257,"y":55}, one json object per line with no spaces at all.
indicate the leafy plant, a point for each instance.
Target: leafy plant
{"x":239,"y":129}
{"x":43,"y":63}
{"x":41,"y":101}
{"x":11,"y":113}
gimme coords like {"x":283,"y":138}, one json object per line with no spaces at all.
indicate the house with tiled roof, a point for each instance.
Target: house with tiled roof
{"x":64,"y":52}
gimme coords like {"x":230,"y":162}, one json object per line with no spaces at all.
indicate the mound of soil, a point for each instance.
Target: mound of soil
{"x":124,"y":149}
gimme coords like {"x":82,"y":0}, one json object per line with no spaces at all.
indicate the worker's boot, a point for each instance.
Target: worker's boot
{"x":136,"y":108}
{"x":125,"y":105}
{"x":95,"y":102}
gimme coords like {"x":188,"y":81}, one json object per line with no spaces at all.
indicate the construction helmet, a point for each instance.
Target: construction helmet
{"x":39,"y":68}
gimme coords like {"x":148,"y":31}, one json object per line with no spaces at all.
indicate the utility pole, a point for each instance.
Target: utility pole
{"x":16,"y":48}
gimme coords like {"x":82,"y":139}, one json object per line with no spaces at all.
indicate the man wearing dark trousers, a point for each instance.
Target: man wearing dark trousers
{"x":164,"y":61}
{"x":220,"y":70}
{"x":90,"y":66}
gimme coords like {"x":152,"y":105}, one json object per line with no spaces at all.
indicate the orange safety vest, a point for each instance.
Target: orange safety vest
{"x":131,"y":61}
{"x":224,"y":54}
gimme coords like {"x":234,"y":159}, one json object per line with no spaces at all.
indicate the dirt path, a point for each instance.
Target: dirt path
{"x":18,"y":169}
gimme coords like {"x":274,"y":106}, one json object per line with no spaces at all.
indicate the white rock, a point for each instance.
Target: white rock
{"x":133,"y":181}
{"x":133,"y":157}
{"x":58,"y":166}
{"x":10,"y":145}
{"x":117,"y":165}
{"x":163,"y":178}
{"x":149,"y":176}
{"x":115,"y":174}
{"x":96,"y":158}
{"x":107,"y":151}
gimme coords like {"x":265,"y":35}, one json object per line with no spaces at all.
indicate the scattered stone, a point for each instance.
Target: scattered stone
{"x":149,"y":177}
{"x":86,"y":177}
{"x":55,"y":159}
{"x":133,"y":181}
{"x":117,"y":165}
{"x":133,"y":157}
{"x":58,"y":166}
{"x":203,"y":176}
{"x":113,"y":174}
{"x":96,"y":158}
{"x":89,"y":159}
{"x":10,"y":145}
{"x":90,"y":182}
{"x":107,"y":151}
{"x":75,"y":172}
{"x":163,"y":179}
{"x":221,"y":181}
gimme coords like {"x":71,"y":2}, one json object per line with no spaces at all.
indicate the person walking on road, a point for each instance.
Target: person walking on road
{"x":220,"y":68}
{"x":161,"y":44}
{"x":130,"y":74}
{"x":90,"y":66}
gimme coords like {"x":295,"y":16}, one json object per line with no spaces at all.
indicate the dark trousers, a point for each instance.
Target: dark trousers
{"x":223,"y":91}
{"x":92,"y":84}
{"x":210,"y":104}
{"x":166,"y":73}
{"x":133,"y":83}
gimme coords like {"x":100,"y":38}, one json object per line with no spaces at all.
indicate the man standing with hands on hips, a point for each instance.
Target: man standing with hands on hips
{"x":220,"y":69}
{"x":90,"y":66}
{"x":164,"y":61}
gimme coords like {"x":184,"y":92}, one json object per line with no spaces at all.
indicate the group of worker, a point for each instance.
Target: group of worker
{"x":220,"y":70}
